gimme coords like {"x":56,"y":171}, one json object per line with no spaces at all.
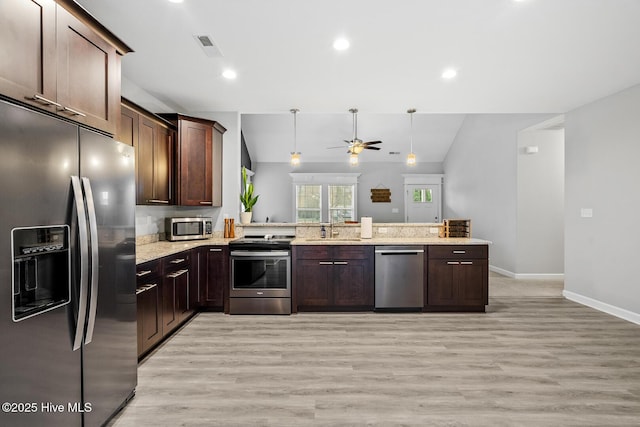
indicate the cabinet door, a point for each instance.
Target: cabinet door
{"x":140,"y":320}
{"x":144,"y":162}
{"x":28,"y":46}
{"x":352,"y":283}
{"x":88,"y":74}
{"x":170,"y":316}
{"x":216,"y":276}
{"x":151,"y":317}
{"x":314,"y":283}
{"x":472,"y":282}
{"x":216,"y":190}
{"x":195,"y":164}
{"x":183,"y":306}
{"x":162,"y":159}
{"x":127,"y":126}
{"x":441,"y":280}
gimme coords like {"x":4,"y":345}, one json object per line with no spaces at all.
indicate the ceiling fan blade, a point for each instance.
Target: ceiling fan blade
{"x":341,"y":146}
{"x":371,"y":148}
{"x":372,"y":142}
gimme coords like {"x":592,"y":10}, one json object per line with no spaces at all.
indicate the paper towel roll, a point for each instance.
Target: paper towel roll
{"x":366,"y":227}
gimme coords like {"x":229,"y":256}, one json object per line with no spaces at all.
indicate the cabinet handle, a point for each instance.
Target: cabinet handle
{"x":73,"y":112}
{"x":206,"y":203}
{"x":325,"y":263}
{"x":166,"y":202}
{"x":44,"y":100}
{"x":466,"y":262}
{"x":177,"y":274}
{"x":215,"y":250}
{"x":140,"y":290}
{"x":459,"y":252}
{"x":340,"y":263}
{"x":453,"y":263}
{"x":177,"y":261}
{"x":143,"y":273}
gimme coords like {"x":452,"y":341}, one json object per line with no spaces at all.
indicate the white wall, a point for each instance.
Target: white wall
{"x":602,"y":142}
{"x":540,"y":213}
{"x":481,"y":180}
{"x":274,"y":185}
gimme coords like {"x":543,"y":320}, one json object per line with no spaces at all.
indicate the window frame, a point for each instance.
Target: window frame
{"x":325,"y":180}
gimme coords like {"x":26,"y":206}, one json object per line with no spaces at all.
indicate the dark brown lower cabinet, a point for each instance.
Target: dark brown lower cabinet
{"x":149,"y":317}
{"x":334,"y":278}
{"x":457,"y":278}
{"x":214,"y":276}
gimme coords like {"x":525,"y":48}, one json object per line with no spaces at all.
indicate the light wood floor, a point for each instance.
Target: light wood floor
{"x":528,"y":361}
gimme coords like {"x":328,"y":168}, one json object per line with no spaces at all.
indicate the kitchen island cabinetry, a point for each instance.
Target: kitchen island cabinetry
{"x":214,"y":277}
{"x":176,"y":306}
{"x":331,"y":278}
{"x":198,"y":149}
{"x":457,"y":278}
{"x":58,"y":58}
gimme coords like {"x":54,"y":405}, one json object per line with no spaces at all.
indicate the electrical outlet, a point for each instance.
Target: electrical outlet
{"x":586,"y":213}
{"x":433,"y":230}
{"x":395,"y":210}
{"x":382,"y":230}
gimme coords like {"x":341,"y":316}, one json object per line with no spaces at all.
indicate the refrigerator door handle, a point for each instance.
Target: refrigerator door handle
{"x":83,"y":240}
{"x":95,"y":265}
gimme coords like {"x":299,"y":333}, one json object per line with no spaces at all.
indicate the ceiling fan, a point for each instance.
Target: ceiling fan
{"x":356,"y":145}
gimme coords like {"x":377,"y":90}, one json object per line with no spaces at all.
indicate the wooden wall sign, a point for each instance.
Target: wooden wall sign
{"x":380,"y":195}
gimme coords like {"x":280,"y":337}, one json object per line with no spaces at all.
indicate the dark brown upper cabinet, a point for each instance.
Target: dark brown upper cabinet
{"x":60,"y":59}
{"x":198,"y":149}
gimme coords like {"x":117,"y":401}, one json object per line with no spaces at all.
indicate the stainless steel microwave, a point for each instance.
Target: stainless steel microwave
{"x":188,"y":228}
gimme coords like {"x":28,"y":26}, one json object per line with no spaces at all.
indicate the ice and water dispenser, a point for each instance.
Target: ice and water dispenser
{"x":41,"y":269}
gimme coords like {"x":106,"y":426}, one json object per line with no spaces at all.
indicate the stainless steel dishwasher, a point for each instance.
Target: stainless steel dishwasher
{"x":399,"y":277}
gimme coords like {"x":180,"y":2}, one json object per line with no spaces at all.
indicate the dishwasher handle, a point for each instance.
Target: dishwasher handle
{"x":400,"y":252}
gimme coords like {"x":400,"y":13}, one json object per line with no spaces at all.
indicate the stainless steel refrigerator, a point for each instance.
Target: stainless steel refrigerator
{"x":67,"y":272}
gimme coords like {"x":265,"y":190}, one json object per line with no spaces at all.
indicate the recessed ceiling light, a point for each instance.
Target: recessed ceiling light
{"x":176,"y":1}
{"x":341,"y":44}
{"x":229,"y":74}
{"x":449,"y":73}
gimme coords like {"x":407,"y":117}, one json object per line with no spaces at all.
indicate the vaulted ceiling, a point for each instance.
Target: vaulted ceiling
{"x":527,"y":56}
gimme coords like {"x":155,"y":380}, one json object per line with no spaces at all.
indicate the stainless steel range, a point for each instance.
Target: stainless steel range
{"x":260,"y":275}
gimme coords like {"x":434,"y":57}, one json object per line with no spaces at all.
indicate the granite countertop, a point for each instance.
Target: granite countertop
{"x":163,"y":248}
{"x":392,"y":241}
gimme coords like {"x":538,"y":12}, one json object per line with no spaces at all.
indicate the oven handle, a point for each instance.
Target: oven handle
{"x":265,"y":254}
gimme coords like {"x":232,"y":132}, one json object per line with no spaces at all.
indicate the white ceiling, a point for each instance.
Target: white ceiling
{"x":531,"y":56}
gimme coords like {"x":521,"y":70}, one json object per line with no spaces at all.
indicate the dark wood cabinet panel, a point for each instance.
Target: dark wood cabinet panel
{"x":169,"y":309}
{"x":214,"y":277}
{"x":216,"y":165}
{"x":195,"y":164}
{"x":144,"y":161}
{"x":334,"y":277}
{"x":28,"y":46}
{"x":314,"y":281}
{"x":353,"y":283}
{"x":127,"y":126}
{"x":162,"y":164}
{"x":88,"y":74}
{"x":149,"y":310}
{"x":457,"y":277}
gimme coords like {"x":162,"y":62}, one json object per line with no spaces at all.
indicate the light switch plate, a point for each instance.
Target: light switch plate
{"x":433,"y":230}
{"x":586,"y":213}
{"x":395,"y":210}
{"x":382,"y":230}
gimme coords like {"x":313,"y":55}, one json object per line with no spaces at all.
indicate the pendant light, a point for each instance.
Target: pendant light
{"x":353,"y":159}
{"x":411,"y":158}
{"x":295,"y":154}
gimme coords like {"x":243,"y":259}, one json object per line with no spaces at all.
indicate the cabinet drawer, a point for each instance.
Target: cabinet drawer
{"x":313,"y":252}
{"x":177,"y":261}
{"x":458,"y":251}
{"x":147,"y":270}
{"x":352,"y":252}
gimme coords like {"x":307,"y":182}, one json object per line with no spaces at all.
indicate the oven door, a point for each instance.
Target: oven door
{"x":260,"y":274}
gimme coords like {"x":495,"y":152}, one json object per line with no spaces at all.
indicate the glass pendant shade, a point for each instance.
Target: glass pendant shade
{"x":353,"y":159}
{"x":295,"y":158}
{"x":411,"y":159}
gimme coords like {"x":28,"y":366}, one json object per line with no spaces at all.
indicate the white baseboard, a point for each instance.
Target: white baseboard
{"x":513,"y":275}
{"x":558,"y":276}
{"x":603,"y":306}
{"x":502,"y":271}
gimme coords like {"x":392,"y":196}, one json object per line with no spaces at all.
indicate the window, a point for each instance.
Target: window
{"x":422,"y":195}
{"x":325,"y":197}
{"x":308,"y":202}
{"x":341,"y":203}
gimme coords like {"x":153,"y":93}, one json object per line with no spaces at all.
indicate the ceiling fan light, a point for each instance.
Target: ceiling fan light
{"x":295,"y":158}
{"x":411,"y":159}
{"x":353,"y":159}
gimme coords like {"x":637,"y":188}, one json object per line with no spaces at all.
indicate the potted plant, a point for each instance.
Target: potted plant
{"x":247,"y":198}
